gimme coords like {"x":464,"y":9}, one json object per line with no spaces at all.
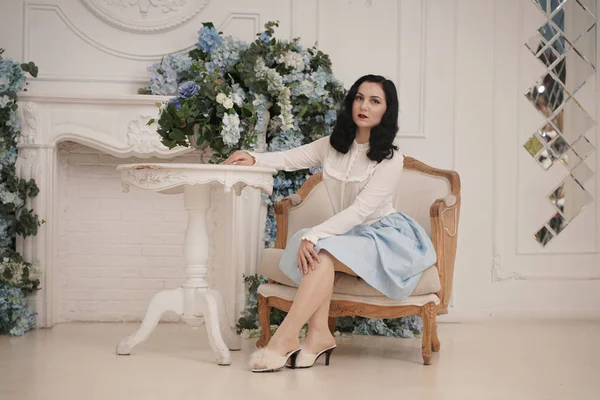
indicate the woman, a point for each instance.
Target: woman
{"x":366,"y":237}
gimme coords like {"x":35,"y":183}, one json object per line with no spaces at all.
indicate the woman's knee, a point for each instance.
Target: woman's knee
{"x":335,"y":263}
{"x":326,"y":258}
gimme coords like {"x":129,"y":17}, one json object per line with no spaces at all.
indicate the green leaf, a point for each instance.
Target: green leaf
{"x":302,"y":112}
{"x":246,"y":112}
{"x":177,"y":135}
{"x":150,"y":121}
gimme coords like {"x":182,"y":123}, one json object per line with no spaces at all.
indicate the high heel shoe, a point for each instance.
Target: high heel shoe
{"x":307,"y":360}
{"x":265,"y":360}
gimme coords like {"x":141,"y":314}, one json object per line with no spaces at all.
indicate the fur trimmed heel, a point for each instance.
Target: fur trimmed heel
{"x":265,"y":360}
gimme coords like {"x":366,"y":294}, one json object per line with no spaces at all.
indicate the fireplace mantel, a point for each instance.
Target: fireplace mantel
{"x":115,"y":125}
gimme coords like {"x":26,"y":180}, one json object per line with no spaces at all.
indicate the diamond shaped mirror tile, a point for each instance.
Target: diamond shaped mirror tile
{"x":543,"y":236}
{"x":546,"y":158}
{"x":570,"y":159}
{"x":570,"y":198}
{"x":559,"y":146}
{"x":534,"y":145}
{"x":582,"y":173}
{"x":583,"y":147}
{"x":573,"y":121}
{"x":557,"y":223}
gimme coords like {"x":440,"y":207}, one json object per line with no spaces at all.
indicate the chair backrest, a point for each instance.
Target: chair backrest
{"x":417,"y":191}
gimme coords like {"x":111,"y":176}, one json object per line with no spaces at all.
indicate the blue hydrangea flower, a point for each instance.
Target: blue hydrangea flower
{"x":13,"y":122}
{"x":280,"y":182}
{"x":16,"y":317}
{"x":164,"y":75}
{"x":175,"y":102}
{"x":286,"y":140}
{"x":208,"y":39}
{"x":163,"y":79}
{"x":5,"y":236}
{"x":330,"y":117}
{"x":264,"y":37}
{"x":179,"y":62}
{"x":188,"y":89}
{"x":4,"y":100}
{"x":12,"y":78}
{"x":226,"y":54}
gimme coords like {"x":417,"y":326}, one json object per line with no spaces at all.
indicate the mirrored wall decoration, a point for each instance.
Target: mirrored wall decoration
{"x":565,"y":44}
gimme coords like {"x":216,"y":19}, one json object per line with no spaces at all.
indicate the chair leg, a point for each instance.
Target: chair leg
{"x":331,"y":324}
{"x":435,"y":341}
{"x":427,"y":313}
{"x":264,"y":316}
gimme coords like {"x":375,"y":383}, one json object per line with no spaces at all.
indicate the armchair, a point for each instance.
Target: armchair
{"x":429,"y":195}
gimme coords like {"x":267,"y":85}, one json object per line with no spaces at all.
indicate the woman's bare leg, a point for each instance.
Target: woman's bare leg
{"x":319,"y":336}
{"x":314,"y":291}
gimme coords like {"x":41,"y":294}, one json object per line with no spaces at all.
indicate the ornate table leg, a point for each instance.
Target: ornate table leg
{"x":194,"y":298}
{"x":168,"y":300}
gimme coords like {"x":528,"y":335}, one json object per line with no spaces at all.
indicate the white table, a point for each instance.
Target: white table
{"x":195,"y":298}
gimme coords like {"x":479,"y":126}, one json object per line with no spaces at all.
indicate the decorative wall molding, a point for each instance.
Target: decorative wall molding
{"x":252,"y":16}
{"x":145,"y":16}
{"x":125,"y":99}
{"x":140,"y":80}
{"x":29,"y":115}
{"x":28,"y":7}
{"x":142,"y":138}
{"x":419,"y":133}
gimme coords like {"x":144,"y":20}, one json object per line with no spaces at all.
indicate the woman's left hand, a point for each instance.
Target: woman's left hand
{"x":307,"y":256}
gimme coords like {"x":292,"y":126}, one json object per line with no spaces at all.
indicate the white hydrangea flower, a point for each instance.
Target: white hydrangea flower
{"x":6,"y":196}
{"x":34,"y":272}
{"x":293,"y":60}
{"x":237,"y":99}
{"x":231,"y":129}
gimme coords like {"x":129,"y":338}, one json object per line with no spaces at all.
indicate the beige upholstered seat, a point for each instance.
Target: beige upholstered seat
{"x":429,"y":195}
{"x":344,"y":284}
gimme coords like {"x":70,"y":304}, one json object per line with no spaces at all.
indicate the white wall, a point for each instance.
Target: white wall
{"x":461,"y":69}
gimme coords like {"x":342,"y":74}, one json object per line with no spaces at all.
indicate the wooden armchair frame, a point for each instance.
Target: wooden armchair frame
{"x":444,"y":214}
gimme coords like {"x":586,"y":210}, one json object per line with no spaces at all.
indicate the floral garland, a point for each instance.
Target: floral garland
{"x":222,"y":89}
{"x":17,"y":277}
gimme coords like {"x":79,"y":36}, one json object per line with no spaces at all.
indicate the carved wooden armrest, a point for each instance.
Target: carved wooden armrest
{"x":444,"y":214}
{"x":284,"y":206}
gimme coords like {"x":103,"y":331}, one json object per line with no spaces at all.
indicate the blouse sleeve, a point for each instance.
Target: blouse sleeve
{"x":303,"y":157}
{"x":381,"y":187}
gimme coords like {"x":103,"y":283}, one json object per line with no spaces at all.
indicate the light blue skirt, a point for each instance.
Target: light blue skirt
{"x":390,"y":254}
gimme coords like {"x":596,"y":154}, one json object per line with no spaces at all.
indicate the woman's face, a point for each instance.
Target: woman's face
{"x":369,"y":105}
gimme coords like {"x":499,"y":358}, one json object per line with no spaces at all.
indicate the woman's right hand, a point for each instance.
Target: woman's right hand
{"x":240,"y":158}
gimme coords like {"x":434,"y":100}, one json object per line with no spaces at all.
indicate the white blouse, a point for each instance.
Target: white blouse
{"x":360,"y":190}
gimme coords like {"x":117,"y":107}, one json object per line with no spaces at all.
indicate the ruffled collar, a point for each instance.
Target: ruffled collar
{"x":360,"y":146}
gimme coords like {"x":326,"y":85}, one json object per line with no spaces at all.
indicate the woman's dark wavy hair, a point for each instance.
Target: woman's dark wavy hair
{"x":381,"y":142}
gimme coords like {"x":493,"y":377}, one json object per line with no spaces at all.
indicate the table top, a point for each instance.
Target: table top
{"x":194,"y":167}
{"x":170,"y":178}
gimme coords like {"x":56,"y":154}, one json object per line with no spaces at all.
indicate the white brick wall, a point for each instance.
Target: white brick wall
{"x":115,"y":249}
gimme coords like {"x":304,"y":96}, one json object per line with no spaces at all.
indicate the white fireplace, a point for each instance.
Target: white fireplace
{"x":105,"y":253}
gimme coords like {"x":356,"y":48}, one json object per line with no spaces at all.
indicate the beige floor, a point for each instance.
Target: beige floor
{"x":491,"y":360}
